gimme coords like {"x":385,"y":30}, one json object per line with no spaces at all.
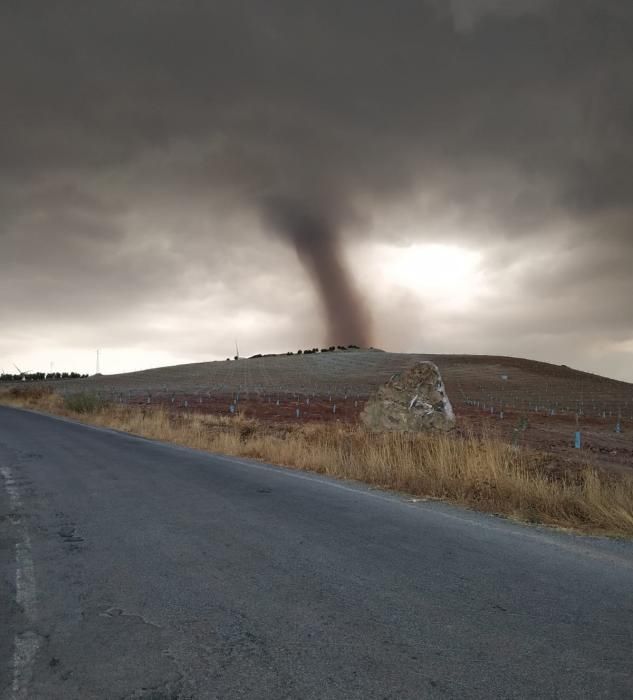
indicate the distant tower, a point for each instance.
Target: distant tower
{"x":97,"y":372}
{"x":237,"y":352}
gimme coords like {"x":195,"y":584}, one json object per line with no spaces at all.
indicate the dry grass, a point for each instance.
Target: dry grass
{"x":481,"y":472}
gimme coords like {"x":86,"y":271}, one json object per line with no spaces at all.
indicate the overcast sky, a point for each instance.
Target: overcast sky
{"x":423,"y":176}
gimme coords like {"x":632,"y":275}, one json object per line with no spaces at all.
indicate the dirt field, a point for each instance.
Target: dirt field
{"x":527,"y":402}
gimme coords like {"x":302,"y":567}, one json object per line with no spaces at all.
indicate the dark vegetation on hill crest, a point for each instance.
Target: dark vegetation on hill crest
{"x":40,"y":376}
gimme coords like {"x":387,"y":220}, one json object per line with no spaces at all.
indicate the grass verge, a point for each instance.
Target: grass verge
{"x":477,"y":471}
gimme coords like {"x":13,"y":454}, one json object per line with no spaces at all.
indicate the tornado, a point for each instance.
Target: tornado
{"x":318,"y":248}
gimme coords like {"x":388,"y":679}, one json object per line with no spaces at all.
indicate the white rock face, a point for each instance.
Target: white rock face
{"x":414,"y":400}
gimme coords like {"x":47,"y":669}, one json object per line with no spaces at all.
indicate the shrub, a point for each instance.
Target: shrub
{"x":84,"y":403}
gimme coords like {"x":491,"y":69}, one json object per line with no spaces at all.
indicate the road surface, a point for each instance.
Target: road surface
{"x":134,"y":569}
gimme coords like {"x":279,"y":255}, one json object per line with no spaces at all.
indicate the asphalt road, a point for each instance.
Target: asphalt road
{"x":134,"y":569}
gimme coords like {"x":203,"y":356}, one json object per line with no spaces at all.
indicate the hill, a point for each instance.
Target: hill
{"x":469,"y":378}
{"x":524,"y":401}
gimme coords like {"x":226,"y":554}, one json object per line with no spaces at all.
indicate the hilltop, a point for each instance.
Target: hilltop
{"x":494,"y":380}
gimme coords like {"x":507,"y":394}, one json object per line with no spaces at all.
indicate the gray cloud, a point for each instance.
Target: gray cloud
{"x":138,"y":142}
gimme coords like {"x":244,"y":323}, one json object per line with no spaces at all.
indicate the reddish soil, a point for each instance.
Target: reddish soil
{"x":601,"y":446}
{"x":275,"y":408}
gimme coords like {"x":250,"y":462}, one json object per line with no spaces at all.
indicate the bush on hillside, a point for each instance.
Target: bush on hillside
{"x":84,"y":403}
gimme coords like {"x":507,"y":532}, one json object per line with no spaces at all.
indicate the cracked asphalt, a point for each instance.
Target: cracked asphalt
{"x":135,"y":569}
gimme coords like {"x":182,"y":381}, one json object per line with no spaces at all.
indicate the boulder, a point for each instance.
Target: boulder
{"x":413,"y":400}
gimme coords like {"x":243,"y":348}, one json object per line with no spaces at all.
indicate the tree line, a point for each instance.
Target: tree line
{"x":310,"y":351}
{"x":40,"y":376}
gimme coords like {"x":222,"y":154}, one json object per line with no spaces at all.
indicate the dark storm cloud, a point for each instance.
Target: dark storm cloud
{"x":514,"y":116}
{"x":343,"y":98}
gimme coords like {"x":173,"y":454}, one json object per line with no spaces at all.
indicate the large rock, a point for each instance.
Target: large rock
{"x":413,"y":400}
